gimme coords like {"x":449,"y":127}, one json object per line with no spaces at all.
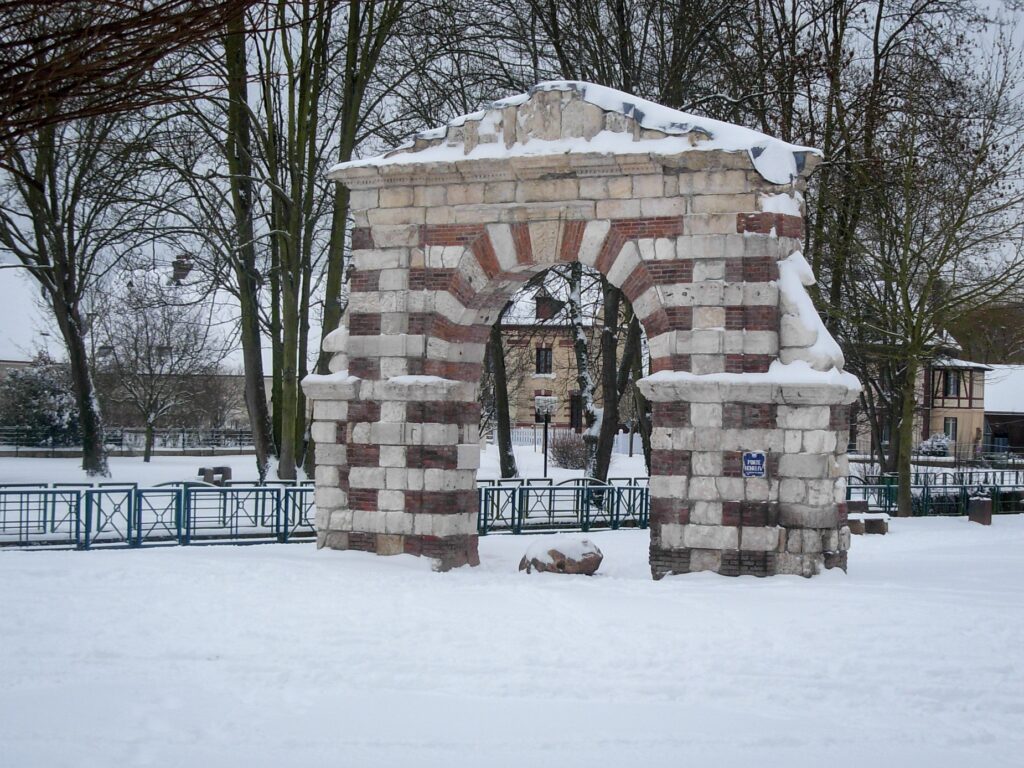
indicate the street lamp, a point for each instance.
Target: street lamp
{"x":545,"y":405}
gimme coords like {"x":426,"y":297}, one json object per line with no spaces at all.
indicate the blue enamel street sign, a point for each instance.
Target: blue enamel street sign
{"x":754,"y":464}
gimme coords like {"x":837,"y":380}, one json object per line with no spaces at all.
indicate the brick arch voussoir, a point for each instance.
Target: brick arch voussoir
{"x":640,"y":284}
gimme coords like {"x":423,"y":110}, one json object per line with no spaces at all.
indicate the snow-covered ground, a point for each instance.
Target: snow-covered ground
{"x":530,"y":462}
{"x":280,"y":655}
{"x":162,"y":469}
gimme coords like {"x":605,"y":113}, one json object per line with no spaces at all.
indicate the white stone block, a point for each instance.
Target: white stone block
{"x":672,"y":536}
{"x":627,"y":260}
{"x":391,"y":500}
{"x":703,"y":489}
{"x":792,"y":491}
{"x":331,"y":453}
{"x":382,"y":258}
{"x":392,"y":455}
{"x":341,"y":520}
{"x":706,"y":414}
{"x":330,"y":410}
{"x":469,"y":456}
{"x":398,"y":522}
{"x":803,"y":417}
{"x":711,"y":537}
{"x":810,"y":465}
{"x":594,"y":234}
{"x":760,"y":539}
{"x":668,"y":486}
{"x":326,"y":497}
{"x":706,"y":513}
{"x":386,"y":433}
{"x":326,"y":474}
{"x":819,"y":441}
{"x":392,"y":411}
{"x":730,"y":488}
{"x":324,"y":431}
{"x":366,"y":477}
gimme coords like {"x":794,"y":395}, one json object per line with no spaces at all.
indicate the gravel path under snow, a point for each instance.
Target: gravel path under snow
{"x":279,"y":655}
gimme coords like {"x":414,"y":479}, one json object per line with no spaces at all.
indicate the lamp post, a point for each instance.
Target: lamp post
{"x":545,"y":405}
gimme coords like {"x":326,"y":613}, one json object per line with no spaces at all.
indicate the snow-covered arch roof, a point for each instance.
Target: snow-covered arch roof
{"x":587,"y":119}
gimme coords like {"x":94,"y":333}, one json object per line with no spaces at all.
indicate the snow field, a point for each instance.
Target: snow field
{"x":123,"y":469}
{"x":282,"y":655}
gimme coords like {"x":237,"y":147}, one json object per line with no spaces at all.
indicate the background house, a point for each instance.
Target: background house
{"x":950,"y":403}
{"x":1004,"y":408}
{"x":953,"y":404}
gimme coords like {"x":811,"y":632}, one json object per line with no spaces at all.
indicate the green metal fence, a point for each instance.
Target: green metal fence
{"x":87,"y":517}
{"x":518,"y":505}
{"x":936,"y":497}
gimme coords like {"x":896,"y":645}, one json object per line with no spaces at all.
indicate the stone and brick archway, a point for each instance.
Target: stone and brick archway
{"x":700,"y":225}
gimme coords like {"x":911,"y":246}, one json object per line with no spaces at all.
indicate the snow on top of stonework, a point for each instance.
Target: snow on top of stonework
{"x":337,"y":377}
{"x":794,"y":373}
{"x":1004,"y":389}
{"x":794,"y":274}
{"x":420,"y":379}
{"x":777,"y":161}
{"x":782,"y":203}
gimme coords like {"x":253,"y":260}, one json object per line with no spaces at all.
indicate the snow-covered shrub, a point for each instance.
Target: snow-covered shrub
{"x":39,"y":403}
{"x":936,"y":445}
{"x":568,"y":451}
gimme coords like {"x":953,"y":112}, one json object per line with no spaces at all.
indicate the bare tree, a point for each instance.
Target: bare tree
{"x":87,"y":58}
{"x":155,"y":350}
{"x":941,"y":237}
{"x":73,"y":206}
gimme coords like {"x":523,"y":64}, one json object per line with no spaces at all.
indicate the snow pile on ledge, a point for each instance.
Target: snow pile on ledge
{"x":338,"y":377}
{"x":782,"y":203}
{"x":784,"y":374}
{"x":823,"y":353}
{"x":777,"y":161}
{"x":412,"y":380}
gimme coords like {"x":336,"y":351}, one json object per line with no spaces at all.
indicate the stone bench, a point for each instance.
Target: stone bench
{"x":214,"y":475}
{"x":862,"y":521}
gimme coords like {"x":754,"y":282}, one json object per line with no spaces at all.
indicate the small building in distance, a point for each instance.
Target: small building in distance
{"x":540,"y":358}
{"x":1004,"y":409}
{"x":954,"y":404}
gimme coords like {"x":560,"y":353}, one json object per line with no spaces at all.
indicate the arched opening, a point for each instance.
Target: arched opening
{"x":567,"y":339}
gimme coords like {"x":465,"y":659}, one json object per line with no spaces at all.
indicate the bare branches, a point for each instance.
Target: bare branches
{"x":71,"y":59}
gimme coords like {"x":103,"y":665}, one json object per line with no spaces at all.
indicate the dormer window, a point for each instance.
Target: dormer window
{"x":545,"y":305}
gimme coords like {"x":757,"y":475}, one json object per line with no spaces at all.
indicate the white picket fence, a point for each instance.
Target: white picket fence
{"x":534,"y":436}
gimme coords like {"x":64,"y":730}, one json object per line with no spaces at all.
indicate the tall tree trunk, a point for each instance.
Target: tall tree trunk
{"x":905,"y":447}
{"x":633,"y":362}
{"x":239,"y":157}
{"x":584,"y":377}
{"x":94,"y":454}
{"x":289,"y":382}
{"x":506,"y":456}
{"x":147,"y":452}
{"x":609,"y":381}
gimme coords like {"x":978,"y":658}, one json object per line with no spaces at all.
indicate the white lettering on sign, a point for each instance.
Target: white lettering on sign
{"x":754,"y":464}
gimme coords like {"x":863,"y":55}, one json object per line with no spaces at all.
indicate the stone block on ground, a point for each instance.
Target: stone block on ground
{"x":562,"y":554}
{"x":980,"y":511}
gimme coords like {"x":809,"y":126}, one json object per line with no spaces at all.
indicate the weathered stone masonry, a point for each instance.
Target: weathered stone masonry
{"x":448,"y":228}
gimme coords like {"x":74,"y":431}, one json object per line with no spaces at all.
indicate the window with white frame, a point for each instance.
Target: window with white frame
{"x":949,"y":427}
